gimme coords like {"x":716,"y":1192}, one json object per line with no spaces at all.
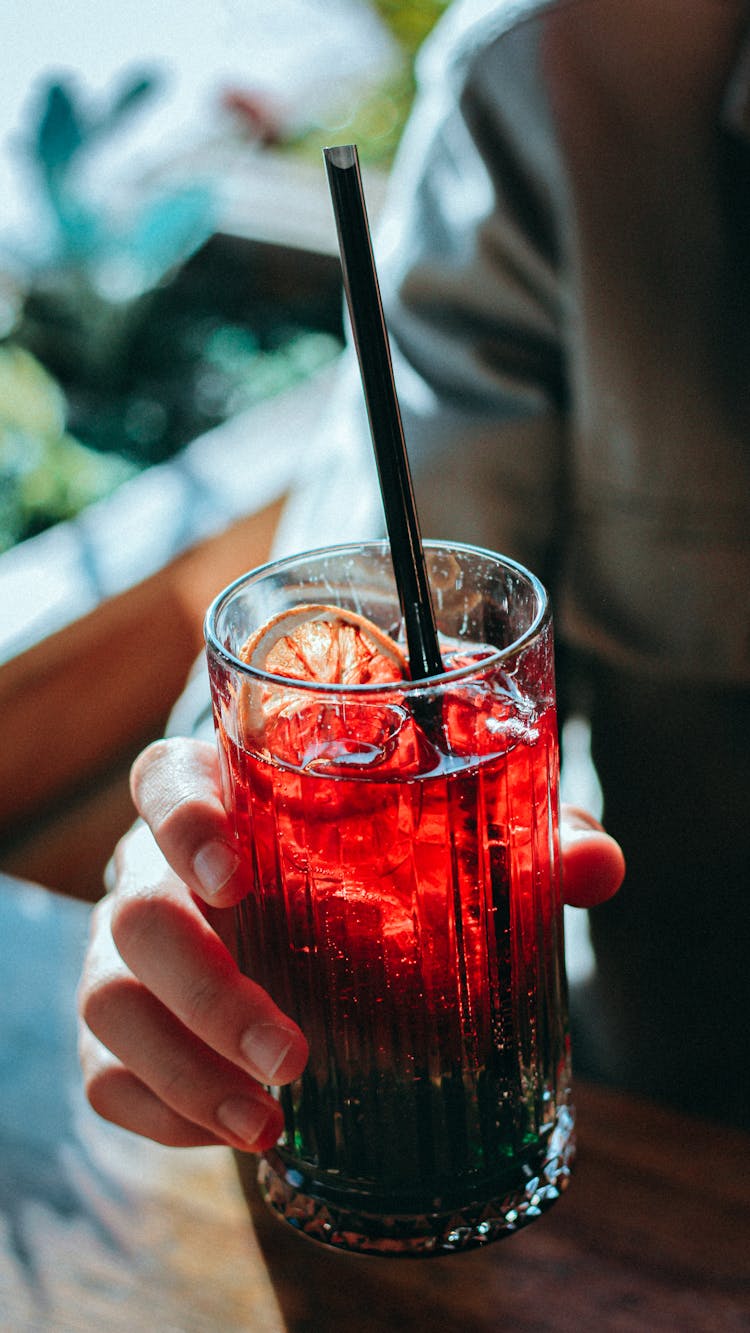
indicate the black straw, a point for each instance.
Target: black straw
{"x":373,"y":352}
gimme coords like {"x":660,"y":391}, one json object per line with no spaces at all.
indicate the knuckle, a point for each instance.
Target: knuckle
{"x":156,"y":780}
{"x":177,"y":1088}
{"x":180,"y":822}
{"x":154,"y":754}
{"x":104,"y":997}
{"x":174,"y":787}
{"x":201,"y":999}
{"x":140,"y":773}
{"x":137,"y":918}
{"x":101,"y":1088}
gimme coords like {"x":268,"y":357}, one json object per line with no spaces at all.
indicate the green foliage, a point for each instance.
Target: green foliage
{"x":377,"y":121}
{"x":241,"y":373}
{"x":46,"y":474}
{"x":108,"y":340}
{"x":410,"y":21}
{"x":88,"y":284}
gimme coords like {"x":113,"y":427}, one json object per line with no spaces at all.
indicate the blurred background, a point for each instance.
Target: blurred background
{"x":131,"y":138}
{"x":171,"y":317}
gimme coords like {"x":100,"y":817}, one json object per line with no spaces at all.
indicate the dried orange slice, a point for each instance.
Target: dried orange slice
{"x":318,"y":644}
{"x":326,"y":644}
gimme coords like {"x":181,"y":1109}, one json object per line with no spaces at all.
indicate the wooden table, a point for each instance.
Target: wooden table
{"x":101,"y":1231}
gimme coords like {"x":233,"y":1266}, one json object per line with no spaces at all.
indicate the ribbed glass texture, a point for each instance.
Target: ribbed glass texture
{"x":403,"y":905}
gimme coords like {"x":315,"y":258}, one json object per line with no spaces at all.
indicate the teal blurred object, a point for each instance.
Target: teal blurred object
{"x":165,"y":230}
{"x":88,"y":275}
{"x":135,"y":329}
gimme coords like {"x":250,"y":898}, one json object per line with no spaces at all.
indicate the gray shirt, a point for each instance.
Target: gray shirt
{"x":565,"y":265}
{"x":565,"y":269}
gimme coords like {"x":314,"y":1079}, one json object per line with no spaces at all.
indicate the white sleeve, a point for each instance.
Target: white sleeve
{"x":335,"y":495}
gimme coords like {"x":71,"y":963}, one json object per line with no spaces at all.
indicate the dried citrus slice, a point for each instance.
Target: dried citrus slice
{"x":318,"y":644}
{"x":326,"y":644}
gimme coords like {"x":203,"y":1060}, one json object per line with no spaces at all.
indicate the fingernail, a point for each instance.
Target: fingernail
{"x":214,"y":866}
{"x":245,"y":1120}
{"x":265,"y":1047}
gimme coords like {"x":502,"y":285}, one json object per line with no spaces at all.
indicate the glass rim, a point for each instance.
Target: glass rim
{"x":277,"y":565}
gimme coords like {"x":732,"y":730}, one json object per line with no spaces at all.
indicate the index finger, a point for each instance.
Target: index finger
{"x":176,"y":789}
{"x":167,"y":943}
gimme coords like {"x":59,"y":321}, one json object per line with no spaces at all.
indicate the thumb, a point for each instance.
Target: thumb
{"x":592,"y":862}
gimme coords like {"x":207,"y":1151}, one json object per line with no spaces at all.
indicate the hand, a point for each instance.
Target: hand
{"x":592,"y":862}
{"x":175,"y":1043}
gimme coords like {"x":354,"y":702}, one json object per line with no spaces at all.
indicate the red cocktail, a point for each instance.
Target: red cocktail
{"x":403,"y":904}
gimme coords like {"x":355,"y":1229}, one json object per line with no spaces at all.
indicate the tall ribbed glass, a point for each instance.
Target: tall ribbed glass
{"x":400,"y":843}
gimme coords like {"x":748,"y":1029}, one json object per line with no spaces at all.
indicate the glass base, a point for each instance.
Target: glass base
{"x":424,"y":1234}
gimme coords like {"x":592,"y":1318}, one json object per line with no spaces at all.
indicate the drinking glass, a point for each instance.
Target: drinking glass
{"x":400,"y":844}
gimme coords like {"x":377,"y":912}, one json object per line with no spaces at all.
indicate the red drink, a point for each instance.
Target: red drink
{"x":403,"y":907}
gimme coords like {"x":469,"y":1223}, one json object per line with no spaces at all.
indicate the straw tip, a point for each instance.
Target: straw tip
{"x":341,"y":155}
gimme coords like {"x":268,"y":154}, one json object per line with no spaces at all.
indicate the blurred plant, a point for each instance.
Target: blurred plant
{"x":47,"y":475}
{"x":81,"y":288}
{"x":377,"y":122}
{"x":167,"y":227}
{"x":114,"y":332}
{"x":411,"y":20}
{"x":82,"y":285}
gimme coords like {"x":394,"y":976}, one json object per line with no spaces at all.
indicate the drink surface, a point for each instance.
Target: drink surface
{"x":403,"y":906}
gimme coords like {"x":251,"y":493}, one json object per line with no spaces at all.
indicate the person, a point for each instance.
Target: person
{"x":565,"y":270}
